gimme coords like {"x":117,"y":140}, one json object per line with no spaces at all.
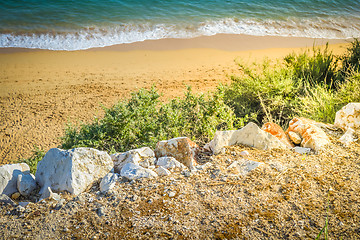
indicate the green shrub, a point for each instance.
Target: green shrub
{"x":349,"y":91}
{"x":143,"y":121}
{"x":319,"y":103}
{"x":350,"y":61}
{"x":316,"y":68}
{"x":264,"y":93}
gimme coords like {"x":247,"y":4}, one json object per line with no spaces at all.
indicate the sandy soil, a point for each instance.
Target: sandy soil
{"x":41,"y":91}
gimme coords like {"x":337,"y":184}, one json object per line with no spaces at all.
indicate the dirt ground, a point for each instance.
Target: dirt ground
{"x":290,"y":196}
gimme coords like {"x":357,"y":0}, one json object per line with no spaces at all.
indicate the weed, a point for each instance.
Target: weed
{"x":143,"y":121}
{"x":36,"y":156}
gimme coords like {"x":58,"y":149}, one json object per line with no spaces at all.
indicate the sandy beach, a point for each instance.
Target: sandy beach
{"x":41,"y":91}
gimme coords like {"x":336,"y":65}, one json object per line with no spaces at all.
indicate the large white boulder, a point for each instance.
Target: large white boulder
{"x":250,"y":135}
{"x":348,"y":117}
{"x":8,"y":177}
{"x":26,"y":184}
{"x":182,"y":149}
{"x":72,"y":170}
{"x":132,"y":172}
{"x":141,"y":156}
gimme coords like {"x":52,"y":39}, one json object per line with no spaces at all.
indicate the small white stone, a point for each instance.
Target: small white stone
{"x":244,"y":153}
{"x":133,"y":172}
{"x":162,"y":171}
{"x":302,"y":150}
{"x":171,"y":194}
{"x":108,"y":182}
{"x":169,"y":163}
{"x":244,"y":166}
{"x":348,"y":137}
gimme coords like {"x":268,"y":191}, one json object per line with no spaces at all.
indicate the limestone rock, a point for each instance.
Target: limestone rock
{"x":141,"y":156}
{"x":47,"y":193}
{"x":302,"y":150}
{"x":108,"y":182}
{"x":182,"y":149}
{"x":162,"y":171}
{"x":348,"y":137}
{"x":5,"y":199}
{"x":244,"y":166}
{"x":294,"y":137}
{"x":250,"y":135}
{"x":26,"y":184}
{"x":170,"y":163}
{"x":132,"y":172}
{"x":312,"y":136}
{"x":278,"y":132}
{"x":72,"y":170}
{"x":348,"y":117}
{"x":8,"y":177}
{"x":204,"y":167}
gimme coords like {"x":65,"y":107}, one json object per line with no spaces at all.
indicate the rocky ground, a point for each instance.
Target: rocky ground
{"x":290,"y":196}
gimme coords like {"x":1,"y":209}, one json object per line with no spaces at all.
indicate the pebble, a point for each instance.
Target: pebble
{"x":244,"y":153}
{"x":171,"y":194}
{"x":15,"y":195}
{"x":100,"y":212}
{"x":134,"y":198}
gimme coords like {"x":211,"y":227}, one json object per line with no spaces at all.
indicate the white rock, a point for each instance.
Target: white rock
{"x":348,"y":137}
{"x":348,"y":117}
{"x":244,"y":166}
{"x":26,"y":184}
{"x":162,"y":171}
{"x":132,"y":171}
{"x":302,"y":150}
{"x":204,"y":166}
{"x":170,"y":163}
{"x":244,"y":153}
{"x":72,"y":170}
{"x":8,"y":177}
{"x":47,"y":193}
{"x":5,"y":199}
{"x":108,"y":182}
{"x":141,"y":156}
{"x":171,"y":194}
{"x":250,"y":135}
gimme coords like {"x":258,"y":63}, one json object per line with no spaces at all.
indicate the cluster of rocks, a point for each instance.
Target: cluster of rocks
{"x":75,"y":170}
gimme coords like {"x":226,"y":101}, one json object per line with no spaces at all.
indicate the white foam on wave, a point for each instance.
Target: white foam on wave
{"x":90,"y":38}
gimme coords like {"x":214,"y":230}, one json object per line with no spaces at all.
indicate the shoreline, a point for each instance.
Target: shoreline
{"x":42,"y":90}
{"x":224,"y":42}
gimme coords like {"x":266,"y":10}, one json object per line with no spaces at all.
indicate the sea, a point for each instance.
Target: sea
{"x":84,"y":24}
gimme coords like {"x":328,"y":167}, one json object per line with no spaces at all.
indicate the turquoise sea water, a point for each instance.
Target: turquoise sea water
{"x":82,"y":24}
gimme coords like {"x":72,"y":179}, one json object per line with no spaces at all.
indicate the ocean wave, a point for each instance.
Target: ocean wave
{"x":106,"y":36}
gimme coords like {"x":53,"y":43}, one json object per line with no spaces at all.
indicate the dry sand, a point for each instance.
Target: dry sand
{"x":41,"y":91}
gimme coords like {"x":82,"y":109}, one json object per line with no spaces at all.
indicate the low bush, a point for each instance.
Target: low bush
{"x":316,"y":67}
{"x":143,"y":121}
{"x":32,"y":161}
{"x":263,"y":93}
